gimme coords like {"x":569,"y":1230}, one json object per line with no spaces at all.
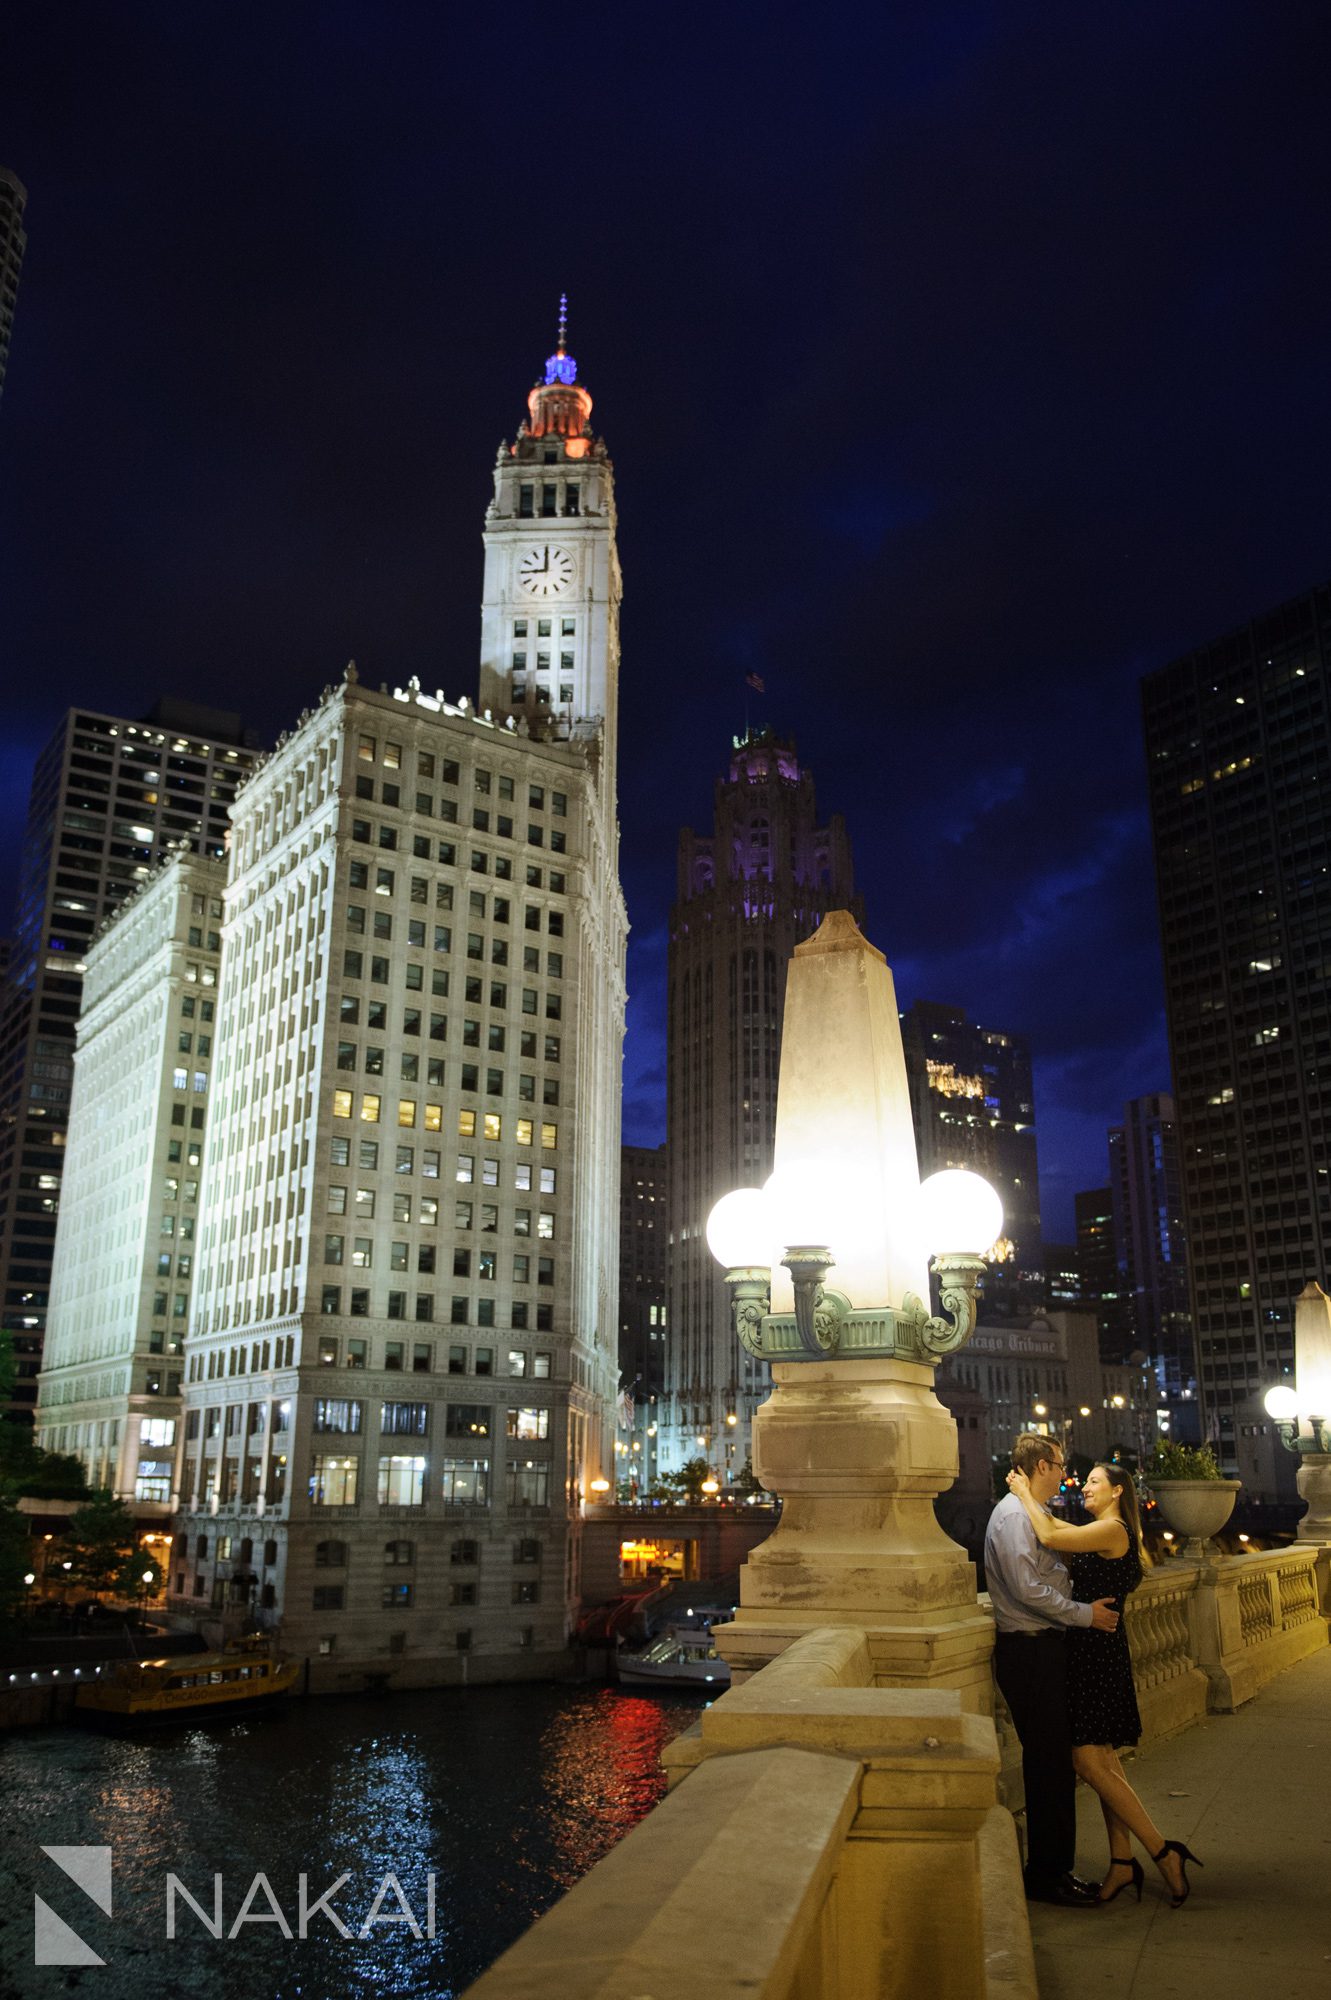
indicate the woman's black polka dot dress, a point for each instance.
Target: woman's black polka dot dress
{"x":1102,"y":1702}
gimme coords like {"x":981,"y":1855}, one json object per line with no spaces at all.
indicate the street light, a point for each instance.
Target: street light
{"x":1308,"y":1404}
{"x":828,"y":1269}
{"x":811,"y":1217}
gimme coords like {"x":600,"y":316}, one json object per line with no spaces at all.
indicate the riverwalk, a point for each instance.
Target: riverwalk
{"x":1249,"y":1793}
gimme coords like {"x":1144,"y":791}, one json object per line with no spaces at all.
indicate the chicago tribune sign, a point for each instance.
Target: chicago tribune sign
{"x":57,"y":1942}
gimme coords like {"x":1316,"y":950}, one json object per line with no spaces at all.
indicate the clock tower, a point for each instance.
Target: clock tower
{"x":550,"y":605}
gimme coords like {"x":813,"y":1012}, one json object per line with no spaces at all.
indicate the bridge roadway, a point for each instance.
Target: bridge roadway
{"x":1249,"y":1792}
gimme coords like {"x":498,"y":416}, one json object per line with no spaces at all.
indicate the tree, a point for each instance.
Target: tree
{"x":688,"y":1480}
{"x":25,"y":1469}
{"x":15,"y":1560}
{"x":100,"y":1541}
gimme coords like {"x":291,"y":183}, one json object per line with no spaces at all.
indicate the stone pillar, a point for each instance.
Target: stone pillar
{"x":856,"y":1444}
{"x":858,"y":1449}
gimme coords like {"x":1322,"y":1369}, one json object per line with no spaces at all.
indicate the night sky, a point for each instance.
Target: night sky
{"x":959,"y":364}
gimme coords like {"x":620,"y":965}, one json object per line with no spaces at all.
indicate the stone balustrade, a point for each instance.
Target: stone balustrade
{"x":827,"y":1837}
{"x":823,"y":1839}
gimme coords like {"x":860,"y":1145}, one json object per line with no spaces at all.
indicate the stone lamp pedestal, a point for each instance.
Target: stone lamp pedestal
{"x":858,"y":1449}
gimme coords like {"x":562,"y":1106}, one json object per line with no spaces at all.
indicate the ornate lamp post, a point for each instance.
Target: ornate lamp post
{"x":829,"y":1276}
{"x":1309,"y":1405}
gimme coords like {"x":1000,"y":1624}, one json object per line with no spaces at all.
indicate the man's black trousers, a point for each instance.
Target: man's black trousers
{"x":1032,"y":1673}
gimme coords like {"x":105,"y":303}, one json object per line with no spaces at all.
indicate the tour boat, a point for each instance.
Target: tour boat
{"x":682,"y":1656}
{"x":193,"y":1684}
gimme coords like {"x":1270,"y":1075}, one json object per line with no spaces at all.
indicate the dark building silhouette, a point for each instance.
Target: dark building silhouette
{"x":1146,"y":1192}
{"x":109,"y":798}
{"x":643,"y":1198}
{"x":974,"y":1106}
{"x":1097,"y":1272}
{"x":1238,"y":745}
{"x":747,"y":894}
{"x":13,"y":243}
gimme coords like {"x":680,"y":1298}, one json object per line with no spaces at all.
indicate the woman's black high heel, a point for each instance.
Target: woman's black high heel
{"x":1185,"y":1855}
{"x":1134,"y":1881}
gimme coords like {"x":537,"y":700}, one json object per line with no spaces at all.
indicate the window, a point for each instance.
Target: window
{"x":526,"y":1590}
{"x":541,"y":1367}
{"x":528,"y":1423}
{"x":528,"y":1484}
{"x":399,"y":1555}
{"x":457,"y":1360}
{"x":465,"y":1482}
{"x":404,"y":1419}
{"x":333,"y":1481}
{"x":401,"y":1482}
{"x":336,"y":1414}
{"x":467,"y":1420}
{"x":326,"y":1596}
{"x":396,"y":1596}
{"x":341,"y":1104}
{"x":369,"y":1111}
{"x":462,"y":1593}
{"x":517,"y":1361}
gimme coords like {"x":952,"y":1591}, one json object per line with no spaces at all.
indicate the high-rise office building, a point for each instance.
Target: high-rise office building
{"x":1238,"y":743}
{"x":109,"y":798}
{"x":126,"y":1238}
{"x":973,"y":1102}
{"x":643,"y":1198}
{"x":1098,"y":1281}
{"x":402,"y":1359}
{"x":1147,"y":1196}
{"x":13,"y":242}
{"x":747,"y":894}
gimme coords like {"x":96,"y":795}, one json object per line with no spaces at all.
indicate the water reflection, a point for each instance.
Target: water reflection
{"x":505,"y":1795}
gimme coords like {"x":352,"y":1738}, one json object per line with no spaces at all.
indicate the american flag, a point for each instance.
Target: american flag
{"x":756,"y":682}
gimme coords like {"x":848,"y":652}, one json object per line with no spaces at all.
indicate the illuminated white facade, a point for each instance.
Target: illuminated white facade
{"x":402,"y":1359}
{"x":125,"y":1246}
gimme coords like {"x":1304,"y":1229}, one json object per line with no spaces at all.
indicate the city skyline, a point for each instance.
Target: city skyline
{"x":1037,"y":313}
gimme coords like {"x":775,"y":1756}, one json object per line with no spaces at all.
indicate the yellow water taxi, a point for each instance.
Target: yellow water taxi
{"x":192,"y":1684}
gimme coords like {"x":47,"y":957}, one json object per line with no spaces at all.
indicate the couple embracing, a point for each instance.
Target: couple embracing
{"x":1061,"y":1661}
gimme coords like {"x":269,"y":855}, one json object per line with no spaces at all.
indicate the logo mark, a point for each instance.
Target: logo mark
{"x":54,"y":1941}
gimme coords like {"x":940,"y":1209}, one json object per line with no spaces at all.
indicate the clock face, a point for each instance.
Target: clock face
{"x":546,"y":571}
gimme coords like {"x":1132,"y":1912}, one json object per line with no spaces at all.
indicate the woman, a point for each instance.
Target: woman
{"x":1105,"y":1560}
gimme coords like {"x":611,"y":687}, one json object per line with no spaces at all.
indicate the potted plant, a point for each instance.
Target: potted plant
{"x":1191,"y":1494}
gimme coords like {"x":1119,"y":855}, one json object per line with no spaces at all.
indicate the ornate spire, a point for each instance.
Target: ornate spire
{"x":560,"y":366}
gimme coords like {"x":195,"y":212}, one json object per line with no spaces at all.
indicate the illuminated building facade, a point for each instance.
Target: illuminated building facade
{"x":13,"y":242}
{"x":109,"y":798}
{"x":1238,"y":742}
{"x":126,"y":1240}
{"x":974,"y":1106}
{"x":747,"y":894}
{"x":1046,"y":1374}
{"x":1147,"y":1194}
{"x":401,"y":1366}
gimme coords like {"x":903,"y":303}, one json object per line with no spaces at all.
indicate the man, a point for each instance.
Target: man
{"x":1028,"y":1587}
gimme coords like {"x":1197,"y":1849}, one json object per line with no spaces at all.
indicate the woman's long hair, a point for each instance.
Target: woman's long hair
{"x":1129,"y":1511}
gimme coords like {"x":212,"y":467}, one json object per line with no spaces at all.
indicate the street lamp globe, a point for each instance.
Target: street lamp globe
{"x":1281,"y":1403}
{"x":739,"y":1230}
{"x":959,"y":1211}
{"x":30,"y":1577}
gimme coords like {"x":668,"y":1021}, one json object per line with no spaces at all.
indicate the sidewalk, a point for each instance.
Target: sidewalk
{"x":1250,"y":1793}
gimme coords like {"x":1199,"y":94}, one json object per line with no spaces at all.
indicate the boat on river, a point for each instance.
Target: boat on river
{"x":196,"y":1686}
{"x":682,"y":1657}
